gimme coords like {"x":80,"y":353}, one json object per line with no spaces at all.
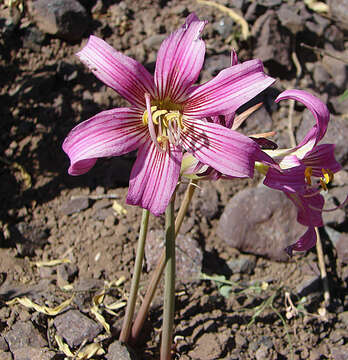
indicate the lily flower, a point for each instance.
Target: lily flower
{"x":167,"y":115}
{"x":305,"y":170}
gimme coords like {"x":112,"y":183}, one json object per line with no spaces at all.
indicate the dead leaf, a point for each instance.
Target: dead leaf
{"x":42,"y":309}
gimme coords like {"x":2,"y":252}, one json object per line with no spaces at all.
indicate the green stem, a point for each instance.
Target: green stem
{"x":169,"y":285}
{"x":127,"y":322}
{"x":156,"y":276}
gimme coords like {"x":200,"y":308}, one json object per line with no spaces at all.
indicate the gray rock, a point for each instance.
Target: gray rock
{"x":245,"y":264}
{"x":342,"y":248}
{"x":337,"y":133}
{"x":189,"y":255}
{"x":335,"y":36}
{"x":66,"y":19}
{"x":259,"y":121}
{"x":273,"y":44}
{"x":336,"y":68}
{"x":340,"y":106}
{"x":309,"y":285}
{"x":260,"y":221}
{"x":339,"y":9}
{"x":290,"y":18}
{"x":337,"y":336}
{"x":75,"y":205}
{"x":154,"y":42}
{"x":317,"y":24}
{"x":33,"y":38}
{"x":224,"y":27}
{"x":334,"y":235}
{"x":214,"y":64}
{"x":118,"y":351}
{"x":320,"y":76}
{"x":67,"y":272}
{"x":24,"y":334}
{"x":3,"y":344}
{"x":339,"y":353}
{"x":103,"y":214}
{"x":46,"y":272}
{"x":29,"y":237}
{"x":4,"y":355}
{"x":75,"y":327}
{"x":262,"y":353}
{"x":32,"y":353}
{"x":333,"y":218}
{"x":207,"y":201}
{"x":343,"y":317}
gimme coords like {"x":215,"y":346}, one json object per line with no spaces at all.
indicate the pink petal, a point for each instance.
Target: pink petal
{"x":230,"y":89}
{"x":224,"y":120}
{"x":179,"y":60}
{"x":154,"y":177}
{"x":309,"y":208}
{"x":322,"y":157}
{"x":125,"y":75}
{"x":109,"y":133}
{"x":306,"y":242}
{"x":289,"y":180}
{"x":318,"y":109}
{"x":227,"y":151}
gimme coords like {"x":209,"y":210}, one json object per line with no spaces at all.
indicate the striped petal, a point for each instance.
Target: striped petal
{"x":320,"y":113}
{"x":227,"y":151}
{"x":310,"y":206}
{"x":179,"y":60}
{"x":289,"y":180}
{"x":322,"y":157}
{"x":306,"y":242}
{"x":154,"y":177}
{"x":125,"y":75}
{"x":109,"y":133}
{"x":230,"y":89}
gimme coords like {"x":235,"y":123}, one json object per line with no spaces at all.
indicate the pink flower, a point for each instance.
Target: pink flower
{"x":306,"y":170}
{"x":166,"y":116}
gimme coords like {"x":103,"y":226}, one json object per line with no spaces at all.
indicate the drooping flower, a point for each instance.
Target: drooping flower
{"x":306,"y":170}
{"x":166,"y":116}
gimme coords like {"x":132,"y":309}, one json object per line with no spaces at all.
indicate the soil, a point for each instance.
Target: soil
{"x":48,"y":215}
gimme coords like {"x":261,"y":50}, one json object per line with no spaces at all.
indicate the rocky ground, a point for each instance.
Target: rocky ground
{"x":238,"y":294}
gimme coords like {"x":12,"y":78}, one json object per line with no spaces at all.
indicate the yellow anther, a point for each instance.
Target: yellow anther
{"x":308,"y":174}
{"x":323,"y":184}
{"x":328,"y":175}
{"x":157,"y":115}
{"x":173,"y":115}
{"x":146,"y":115}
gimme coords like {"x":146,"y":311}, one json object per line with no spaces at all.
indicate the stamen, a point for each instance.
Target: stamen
{"x":323,"y":184}
{"x":157,"y":115}
{"x":308,"y":174}
{"x":328,"y":175}
{"x":164,"y":122}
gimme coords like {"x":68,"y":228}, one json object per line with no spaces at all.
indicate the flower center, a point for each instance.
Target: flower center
{"x":165,"y":123}
{"x":324,"y":180}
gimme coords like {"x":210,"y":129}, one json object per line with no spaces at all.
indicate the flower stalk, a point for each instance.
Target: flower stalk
{"x":127,"y":322}
{"x":156,"y":276}
{"x":169,"y":284}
